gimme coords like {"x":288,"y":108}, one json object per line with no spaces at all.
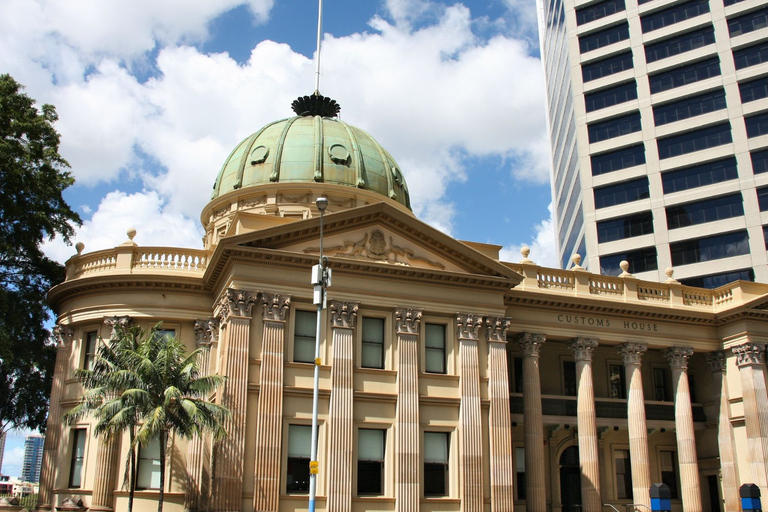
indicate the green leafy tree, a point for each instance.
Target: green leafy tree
{"x":33,"y":176}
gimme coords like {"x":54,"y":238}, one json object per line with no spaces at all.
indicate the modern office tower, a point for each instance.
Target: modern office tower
{"x":33,"y":458}
{"x":658,"y":115}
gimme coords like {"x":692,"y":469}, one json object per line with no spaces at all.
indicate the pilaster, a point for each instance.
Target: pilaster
{"x":467,"y":332}
{"x":749,"y":359}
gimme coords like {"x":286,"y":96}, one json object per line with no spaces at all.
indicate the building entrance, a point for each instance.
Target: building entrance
{"x":570,"y":480}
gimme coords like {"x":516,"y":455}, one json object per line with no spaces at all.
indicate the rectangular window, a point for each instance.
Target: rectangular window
{"x":620,"y":193}
{"x":520,"y":472}
{"x":615,"y":127}
{"x":708,"y":210}
{"x":661,"y":390}
{"x":709,"y":248}
{"x":598,"y":10}
{"x":299,"y":448}
{"x":569,"y":378}
{"x":78,"y":458}
{"x":726,"y":3}
{"x":603,"y":38}
{"x":518,"y":373}
{"x":675,"y":14}
{"x":697,"y":140}
{"x":373,"y":343}
{"x":757,"y":125}
{"x":680,"y":44}
{"x":668,"y":466}
{"x":609,"y":97}
{"x":640,"y":260}
{"x":623,"y":475}
{"x":623,"y":158}
{"x":638,"y":224}
{"x":717,"y":280}
{"x":434,"y":352}
{"x":689,"y":107}
{"x":759,"y":161}
{"x":749,"y":22}
{"x":751,"y":55}
{"x":684,"y":75}
{"x":700,"y":175}
{"x":436,"y":452}
{"x":91,"y":340}
{"x":148,"y":466}
{"x":762,"y":198}
{"x":305,"y":331}
{"x":370,"y":462}
{"x":606,"y":67}
{"x":754,"y":90}
{"x":618,"y":381}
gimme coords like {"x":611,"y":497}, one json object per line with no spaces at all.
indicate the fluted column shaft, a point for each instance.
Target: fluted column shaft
{"x":686,"y":439}
{"x":407,"y":472}
{"x":728,"y":467}
{"x":638,"y":429}
{"x":467,"y":332}
{"x":535,"y":481}
{"x":340,"y":421}
{"x":586,"y":418}
{"x":269,"y":412}
{"x":499,"y":422}
{"x":749,"y":358}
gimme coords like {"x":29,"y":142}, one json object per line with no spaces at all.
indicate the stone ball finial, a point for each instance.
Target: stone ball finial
{"x":525,"y":251}
{"x":624,"y":265}
{"x":576,"y":259}
{"x":131,"y":233}
{"x":79,"y":246}
{"x":670,"y":272}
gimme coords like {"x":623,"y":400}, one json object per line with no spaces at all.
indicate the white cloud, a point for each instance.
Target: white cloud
{"x":542,"y":245}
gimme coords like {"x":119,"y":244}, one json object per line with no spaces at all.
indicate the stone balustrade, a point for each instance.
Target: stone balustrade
{"x":132,"y":260}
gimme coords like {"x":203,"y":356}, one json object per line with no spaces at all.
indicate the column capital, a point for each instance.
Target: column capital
{"x":468,"y":326}
{"x":631,"y":352}
{"x":749,"y":354}
{"x":530,"y":343}
{"x":117,"y":321}
{"x":275,"y":306}
{"x":582,"y":348}
{"x":716,"y":361}
{"x":497,"y":328}
{"x":343,"y":314}
{"x":63,"y":335}
{"x":206,"y":331}
{"x":678,"y":357}
{"x":236,"y":303}
{"x":407,"y":320}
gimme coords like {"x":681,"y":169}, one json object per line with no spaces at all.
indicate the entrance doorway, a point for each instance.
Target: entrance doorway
{"x":570,"y":480}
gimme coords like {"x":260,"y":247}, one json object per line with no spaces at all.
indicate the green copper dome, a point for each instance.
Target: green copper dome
{"x":312,"y":147}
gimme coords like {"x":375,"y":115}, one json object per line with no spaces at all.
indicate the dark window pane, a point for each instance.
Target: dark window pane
{"x":765,"y":236}
{"x":717,"y":280}
{"x":436,"y":454}
{"x":299,"y":448}
{"x":751,"y":55}
{"x":615,"y":160}
{"x":623,"y":475}
{"x":599,"y":10}
{"x":731,"y":2}
{"x":305,"y":329}
{"x":606,"y":67}
{"x":759,"y":161}
{"x":609,"y":97}
{"x":709,"y":248}
{"x":615,"y":127}
{"x":680,"y":44}
{"x":621,"y":193}
{"x":689,"y":107}
{"x":699,"y":175}
{"x":661,"y":391}
{"x":749,"y":22}
{"x":698,"y":140}
{"x":77,"y":459}
{"x":668,"y":465}
{"x":757,"y":125}
{"x":674,"y":14}
{"x":569,"y":378}
{"x":754,"y":90}
{"x":762,"y":198}
{"x":709,"y":210}
{"x":434,"y":351}
{"x":624,"y":227}
{"x":372,"y":343}
{"x":618,"y":381}
{"x":640,"y":260}
{"x":685,"y":75}
{"x":370,"y":461}
{"x":518,"y":365}
{"x":608,"y":36}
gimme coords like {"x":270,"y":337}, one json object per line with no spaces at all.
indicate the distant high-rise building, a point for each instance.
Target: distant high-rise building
{"x":658,"y":115}
{"x":2,"y":450}
{"x":33,"y":458}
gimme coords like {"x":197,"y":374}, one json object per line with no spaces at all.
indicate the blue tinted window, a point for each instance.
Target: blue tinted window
{"x":709,"y":248}
{"x":674,"y":14}
{"x":689,"y":107}
{"x":749,"y":22}
{"x":599,"y":10}
{"x":680,"y":44}
{"x":640,"y":260}
{"x":709,"y":210}
{"x":684,"y":75}
{"x":762,"y":198}
{"x":751,"y":55}
{"x":621,"y":193}
{"x":731,"y":2}
{"x":624,"y":227}
{"x":717,"y":280}
{"x":754,"y":90}
{"x":615,"y":127}
{"x":757,"y":125}
{"x":619,"y":159}
{"x":699,"y":175}
{"x":759,"y":161}
{"x":695,"y":141}
{"x":606,"y":67}
{"x":608,"y":97}
{"x":611,"y":35}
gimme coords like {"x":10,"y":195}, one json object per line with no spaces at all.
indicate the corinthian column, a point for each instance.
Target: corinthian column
{"x":234,"y":313}
{"x":198,"y":450}
{"x":638,"y":430}
{"x":467,"y":330}
{"x":728,"y":467}
{"x":269,"y":411}
{"x":340,"y":421}
{"x":63,"y":334}
{"x":749,"y":358}
{"x":535,"y":486}
{"x":499,"y":423}
{"x":407,"y":472}
{"x":586,"y":418}
{"x":686,"y":440}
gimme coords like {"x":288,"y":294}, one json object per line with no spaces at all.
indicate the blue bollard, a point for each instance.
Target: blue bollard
{"x":750,"y":498}
{"x":661,"y":498}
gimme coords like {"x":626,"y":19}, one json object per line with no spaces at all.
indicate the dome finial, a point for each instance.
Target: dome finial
{"x":315,"y":105}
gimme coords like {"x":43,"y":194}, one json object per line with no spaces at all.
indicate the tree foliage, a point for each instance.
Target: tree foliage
{"x":33,"y":175}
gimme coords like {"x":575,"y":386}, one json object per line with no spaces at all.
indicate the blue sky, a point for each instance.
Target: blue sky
{"x":153,"y":95}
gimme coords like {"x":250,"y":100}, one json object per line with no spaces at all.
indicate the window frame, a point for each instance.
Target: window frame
{"x":665,"y":385}
{"x":382,"y":463}
{"x":627,"y":475}
{"x":446,"y":349}
{"x":674,"y":491}
{"x":447,"y":473}
{"x":611,"y":364}
{"x":518,"y":450}
{"x":89,"y":352}
{"x":305,"y":338}
{"x":297,"y":460}
{"x":155,"y":466}
{"x":565,"y":386}
{"x":384,"y":345}
{"x":75,"y":436}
